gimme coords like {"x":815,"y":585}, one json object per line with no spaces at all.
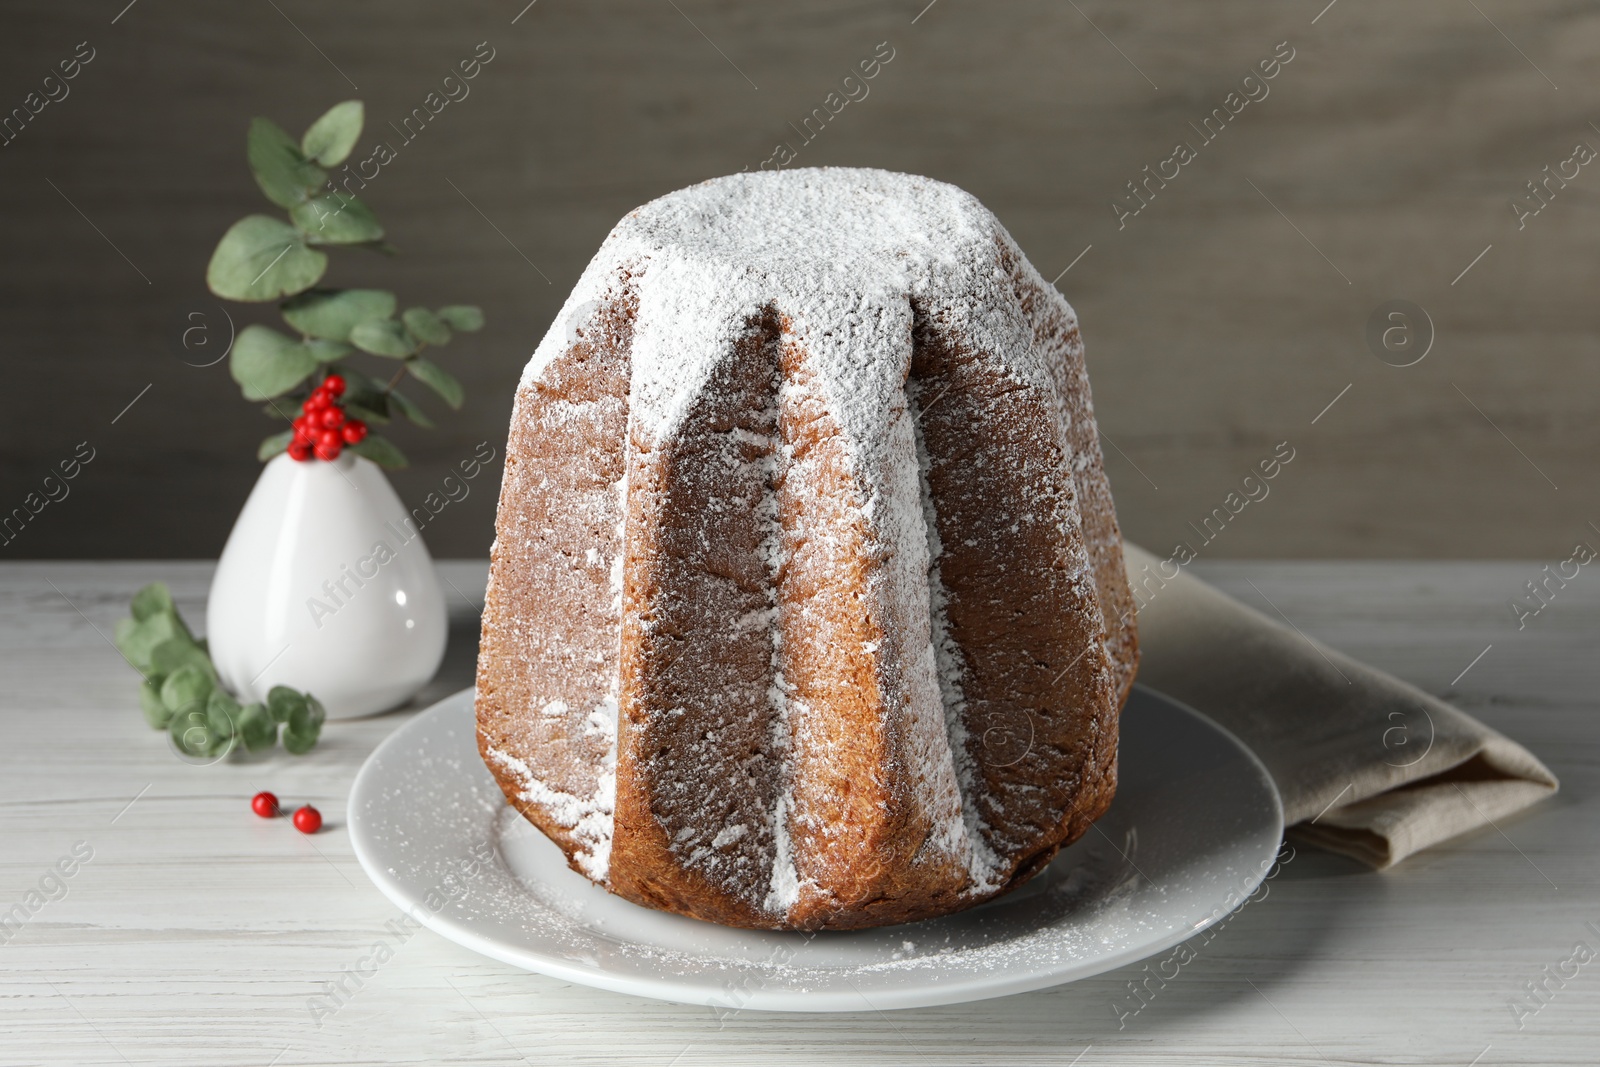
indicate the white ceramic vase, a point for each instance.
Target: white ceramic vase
{"x":326,"y":587}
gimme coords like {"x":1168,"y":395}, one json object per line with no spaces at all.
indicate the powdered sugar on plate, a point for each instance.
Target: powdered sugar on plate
{"x":1196,"y":827}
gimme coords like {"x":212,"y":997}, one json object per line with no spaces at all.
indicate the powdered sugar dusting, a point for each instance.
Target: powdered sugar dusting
{"x":587,"y":818}
{"x":846,"y":260}
{"x":783,"y":886}
{"x":982,"y":864}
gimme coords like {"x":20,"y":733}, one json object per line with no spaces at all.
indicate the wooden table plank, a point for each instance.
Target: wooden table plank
{"x":196,"y":933}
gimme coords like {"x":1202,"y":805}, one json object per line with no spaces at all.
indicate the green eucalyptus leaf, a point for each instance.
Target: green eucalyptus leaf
{"x":379,"y":450}
{"x":436,"y":378}
{"x":189,"y":731}
{"x":426,"y":326}
{"x":280,"y":168}
{"x":282,"y":702}
{"x":338,"y":219}
{"x":332,"y":313}
{"x":263,"y":258}
{"x":223,"y":700}
{"x":221,"y":719}
{"x":355,"y":378}
{"x":153,"y":599}
{"x":265,"y":363}
{"x":364,"y":397}
{"x":185,"y":688}
{"x":257,"y":728}
{"x":331,"y":137}
{"x":404,"y":405}
{"x":300,"y":733}
{"x":375,"y":414}
{"x":137,"y":638}
{"x":223,"y":732}
{"x":382,"y":337}
{"x":156,"y":712}
{"x":273,"y":445}
{"x":131,"y":642}
{"x":463,"y":317}
{"x":325,"y":351}
{"x":298,"y":744}
{"x":176,"y":653}
{"x":219,"y":744}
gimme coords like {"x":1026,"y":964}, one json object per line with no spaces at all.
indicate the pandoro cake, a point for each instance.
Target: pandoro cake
{"x":807,"y":607}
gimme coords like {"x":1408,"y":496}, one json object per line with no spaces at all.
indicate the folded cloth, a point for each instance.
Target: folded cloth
{"x":1366,"y":764}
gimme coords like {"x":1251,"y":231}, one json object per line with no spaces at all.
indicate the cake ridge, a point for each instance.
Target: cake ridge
{"x":857,"y":290}
{"x":783,"y":881}
{"x":981,"y":862}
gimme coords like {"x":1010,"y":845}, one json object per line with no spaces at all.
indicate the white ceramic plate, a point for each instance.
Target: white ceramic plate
{"x":1194,"y":829}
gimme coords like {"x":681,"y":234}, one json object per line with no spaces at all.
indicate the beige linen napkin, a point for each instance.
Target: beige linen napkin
{"x":1347,"y":745}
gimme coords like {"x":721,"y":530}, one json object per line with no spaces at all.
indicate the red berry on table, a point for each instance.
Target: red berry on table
{"x":308,"y":820}
{"x":355,"y":431}
{"x":300,"y":449}
{"x":334,"y":384}
{"x":265,"y":805}
{"x":331,"y":418}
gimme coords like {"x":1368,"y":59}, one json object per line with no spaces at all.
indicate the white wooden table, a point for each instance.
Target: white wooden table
{"x":197,"y":933}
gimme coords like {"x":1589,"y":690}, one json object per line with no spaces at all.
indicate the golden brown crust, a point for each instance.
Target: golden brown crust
{"x":1042,"y":688}
{"x":857,"y":824}
{"x":547,"y":654}
{"x":1037,"y":684}
{"x":1056,"y":333}
{"x":694,"y":561}
{"x":699,"y":677}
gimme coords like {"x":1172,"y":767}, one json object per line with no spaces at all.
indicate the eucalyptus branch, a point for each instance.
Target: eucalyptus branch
{"x":262,"y":258}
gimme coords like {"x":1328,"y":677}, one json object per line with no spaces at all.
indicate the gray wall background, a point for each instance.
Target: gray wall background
{"x":1219,"y":321}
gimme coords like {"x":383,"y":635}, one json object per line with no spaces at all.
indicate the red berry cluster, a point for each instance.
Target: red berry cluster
{"x":322,"y":429}
{"x":307,"y":820}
